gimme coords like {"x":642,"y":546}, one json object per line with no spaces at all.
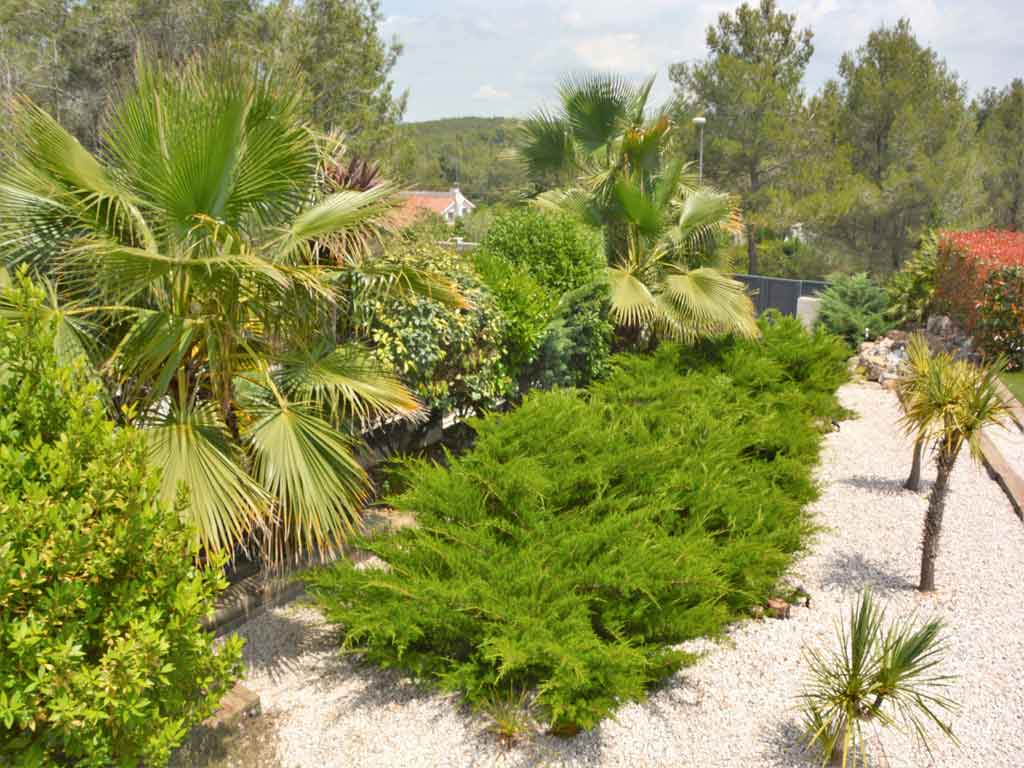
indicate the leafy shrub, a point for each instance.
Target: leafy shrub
{"x":557,"y":250}
{"x":854,"y":307}
{"x":912,"y":290}
{"x":1000,"y":328}
{"x":587,"y":533}
{"x":576,"y":347}
{"x":526,"y":305}
{"x":883,"y":675}
{"x":102,"y":658}
{"x":965,"y":260}
{"x":453,"y":358}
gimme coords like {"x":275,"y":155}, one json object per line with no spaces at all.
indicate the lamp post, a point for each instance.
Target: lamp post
{"x":699,"y":122}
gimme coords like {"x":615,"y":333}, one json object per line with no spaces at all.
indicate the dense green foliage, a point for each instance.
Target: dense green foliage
{"x":586,"y":533}
{"x":1000,"y":329}
{"x":577,"y":342}
{"x":102,"y":658}
{"x":560,"y":252}
{"x":912,"y":289}
{"x":526,"y":305}
{"x":854,"y":307}
{"x":470,"y":151}
{"x":1001,"y":143}
{"x":453,"y":357}
{"x":73,"y":57}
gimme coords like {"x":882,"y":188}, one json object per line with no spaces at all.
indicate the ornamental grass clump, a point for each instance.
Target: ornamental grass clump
{"x":884,"y":675}
{"x":587,"y":533}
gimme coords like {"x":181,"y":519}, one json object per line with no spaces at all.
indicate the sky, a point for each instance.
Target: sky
{"x":504,"y":57}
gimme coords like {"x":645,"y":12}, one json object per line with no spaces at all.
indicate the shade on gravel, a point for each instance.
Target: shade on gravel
{"x":737,"y":706}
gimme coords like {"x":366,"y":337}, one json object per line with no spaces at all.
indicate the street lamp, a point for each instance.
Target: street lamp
{"x":699,"y":122}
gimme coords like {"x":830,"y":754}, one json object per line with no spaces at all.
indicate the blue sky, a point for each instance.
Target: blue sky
{"x":503,"y":57}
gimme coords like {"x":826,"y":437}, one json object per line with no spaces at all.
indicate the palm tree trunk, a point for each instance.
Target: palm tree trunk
{"x":933,"y":520}
{"x":914,"y":481}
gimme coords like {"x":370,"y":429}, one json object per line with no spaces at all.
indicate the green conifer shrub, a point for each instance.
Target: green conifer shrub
{"x":587,"y":533}
{"x":855,"y":307}
{"x":102,"y":658}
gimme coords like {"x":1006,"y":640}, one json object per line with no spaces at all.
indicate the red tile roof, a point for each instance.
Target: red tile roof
{"x":416,"y":204}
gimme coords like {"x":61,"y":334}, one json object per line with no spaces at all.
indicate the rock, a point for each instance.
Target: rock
{"x":939,"y":325}
{"x":776,"y":608}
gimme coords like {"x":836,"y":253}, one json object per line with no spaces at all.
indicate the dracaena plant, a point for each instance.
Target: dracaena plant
{"x":881,"y":674}
{"x":198,"y":261}
{"x":659,"y":223}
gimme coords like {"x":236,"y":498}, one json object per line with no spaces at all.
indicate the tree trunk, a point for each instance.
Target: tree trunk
{"x":933,"y":521}
{"x":914,"y":481}
{"x":751,"y":251}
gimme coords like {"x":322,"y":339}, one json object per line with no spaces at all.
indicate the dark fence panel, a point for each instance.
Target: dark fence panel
{"x":778,"y":292}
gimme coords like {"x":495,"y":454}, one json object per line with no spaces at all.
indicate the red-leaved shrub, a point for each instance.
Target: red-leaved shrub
{"x":1000,"y":329}
{"x":965,"y":261}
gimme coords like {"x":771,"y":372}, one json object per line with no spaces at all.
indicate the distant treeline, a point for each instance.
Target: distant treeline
{"x":473,"y":151}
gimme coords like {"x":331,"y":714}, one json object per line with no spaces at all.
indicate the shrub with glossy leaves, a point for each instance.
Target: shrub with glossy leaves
{"x":453,"y":358}
{"x":587,"y":533}
{"x":102,"y":658}
{"x":561,"y":253}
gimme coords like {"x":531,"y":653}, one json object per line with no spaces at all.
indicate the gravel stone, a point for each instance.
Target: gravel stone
{"x":738,"y":705}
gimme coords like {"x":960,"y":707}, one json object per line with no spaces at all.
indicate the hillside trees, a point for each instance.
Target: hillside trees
{"x":1001,"y":143}
{"x":72,"y":57}
{"x":750,"y":90}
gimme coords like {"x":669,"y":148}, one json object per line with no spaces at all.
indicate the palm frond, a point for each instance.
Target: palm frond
{"x":194,"y":452}
{"x":545,"y":145}
{"x":350,"y":214}
{"x":632,"y":302}
{"x":704,"y":302}
{"x":309,"y":468}
{"x":345,"y":382}
{"x":595,"y":107}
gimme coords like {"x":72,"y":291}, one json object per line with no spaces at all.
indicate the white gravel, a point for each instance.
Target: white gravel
{"x":736,"y":707}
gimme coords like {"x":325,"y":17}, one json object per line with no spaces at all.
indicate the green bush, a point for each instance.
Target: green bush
{"x":854,"y":307}
{"x":1000,"y":327}
{"x":576,"y":348}
{"x":526,"y":305}
{"x":911,"y":291}
{"x":102,"y":658}
{"x":453,"y":358}
{"x":557,"y":250}
{"x":586,"y":534}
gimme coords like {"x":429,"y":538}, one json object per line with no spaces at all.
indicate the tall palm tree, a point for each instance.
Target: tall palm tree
{"x":658,"y":222}
{"x":950,"y":406}
{"x":198,"y":262}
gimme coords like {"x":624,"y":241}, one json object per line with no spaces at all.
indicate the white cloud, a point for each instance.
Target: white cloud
{"x":622,"y":52}
{"x":491,"y":93}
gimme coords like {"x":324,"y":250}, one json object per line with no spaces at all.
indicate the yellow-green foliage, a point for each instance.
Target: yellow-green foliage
{"x":102,"y":658}
{"x":588,"y":532}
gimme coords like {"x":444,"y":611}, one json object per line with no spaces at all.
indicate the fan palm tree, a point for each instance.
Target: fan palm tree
{"x":659,"y":224}
{"x":949,"y":407}
{"x":198,"y":262}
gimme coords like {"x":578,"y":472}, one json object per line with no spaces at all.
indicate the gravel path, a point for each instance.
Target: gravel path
{"x":736,"y":706}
